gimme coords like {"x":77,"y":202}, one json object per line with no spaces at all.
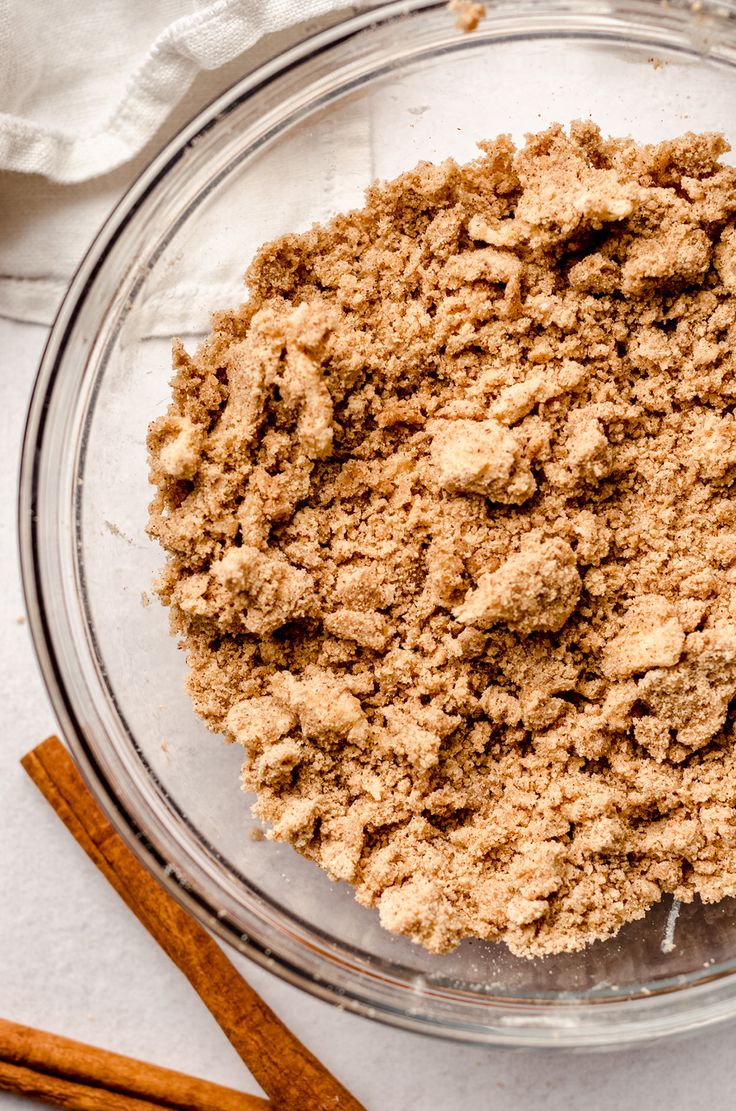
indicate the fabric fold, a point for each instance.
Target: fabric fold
{"x":204,"y":40}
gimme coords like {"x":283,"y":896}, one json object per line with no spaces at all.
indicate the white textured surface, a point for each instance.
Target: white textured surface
{"x":74,"y":960}
{"x":88,"y":85}
{"x":48,"y":84}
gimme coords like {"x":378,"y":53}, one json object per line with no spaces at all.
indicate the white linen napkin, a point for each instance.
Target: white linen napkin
{"x":88,"y":92}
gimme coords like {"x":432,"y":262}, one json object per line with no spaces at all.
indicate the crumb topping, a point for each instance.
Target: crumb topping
{"x":451,"y":541}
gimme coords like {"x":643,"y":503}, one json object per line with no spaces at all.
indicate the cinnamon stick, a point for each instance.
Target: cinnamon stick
{"x":289,"y":1074}
{"x":65,"y":1093}
{"x":67,"y":1073}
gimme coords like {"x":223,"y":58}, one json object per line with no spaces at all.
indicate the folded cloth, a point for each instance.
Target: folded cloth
{"x":88,"y":93}
{"x":85,"y":92}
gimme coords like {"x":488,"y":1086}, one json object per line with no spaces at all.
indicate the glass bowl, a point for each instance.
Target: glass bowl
{"x":292,"y":143}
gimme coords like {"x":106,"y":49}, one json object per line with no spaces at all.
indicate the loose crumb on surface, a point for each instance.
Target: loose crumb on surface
{"x":451,"y":538}
{"x":469,"y":14}
{"x":20,"y":620}
{"x":115,"y":530}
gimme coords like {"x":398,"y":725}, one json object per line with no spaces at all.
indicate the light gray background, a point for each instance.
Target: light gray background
{"x":74,"y":960}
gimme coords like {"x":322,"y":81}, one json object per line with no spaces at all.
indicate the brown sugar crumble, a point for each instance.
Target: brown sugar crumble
{"x":451,"y":538}
{"x":469,"y":13}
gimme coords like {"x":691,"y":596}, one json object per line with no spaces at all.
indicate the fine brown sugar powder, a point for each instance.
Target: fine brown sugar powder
{"x":451,"y":538}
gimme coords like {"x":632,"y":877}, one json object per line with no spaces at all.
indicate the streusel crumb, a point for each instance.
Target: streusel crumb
{"x":451,"y":538}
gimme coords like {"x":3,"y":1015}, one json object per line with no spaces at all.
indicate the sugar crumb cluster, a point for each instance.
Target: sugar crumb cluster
{"x":451,"y":540}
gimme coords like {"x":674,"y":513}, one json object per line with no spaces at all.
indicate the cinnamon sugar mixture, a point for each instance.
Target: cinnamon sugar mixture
{"x":452,"y":543}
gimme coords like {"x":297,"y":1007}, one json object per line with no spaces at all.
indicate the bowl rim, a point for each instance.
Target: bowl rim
{"x":710,"y":998}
